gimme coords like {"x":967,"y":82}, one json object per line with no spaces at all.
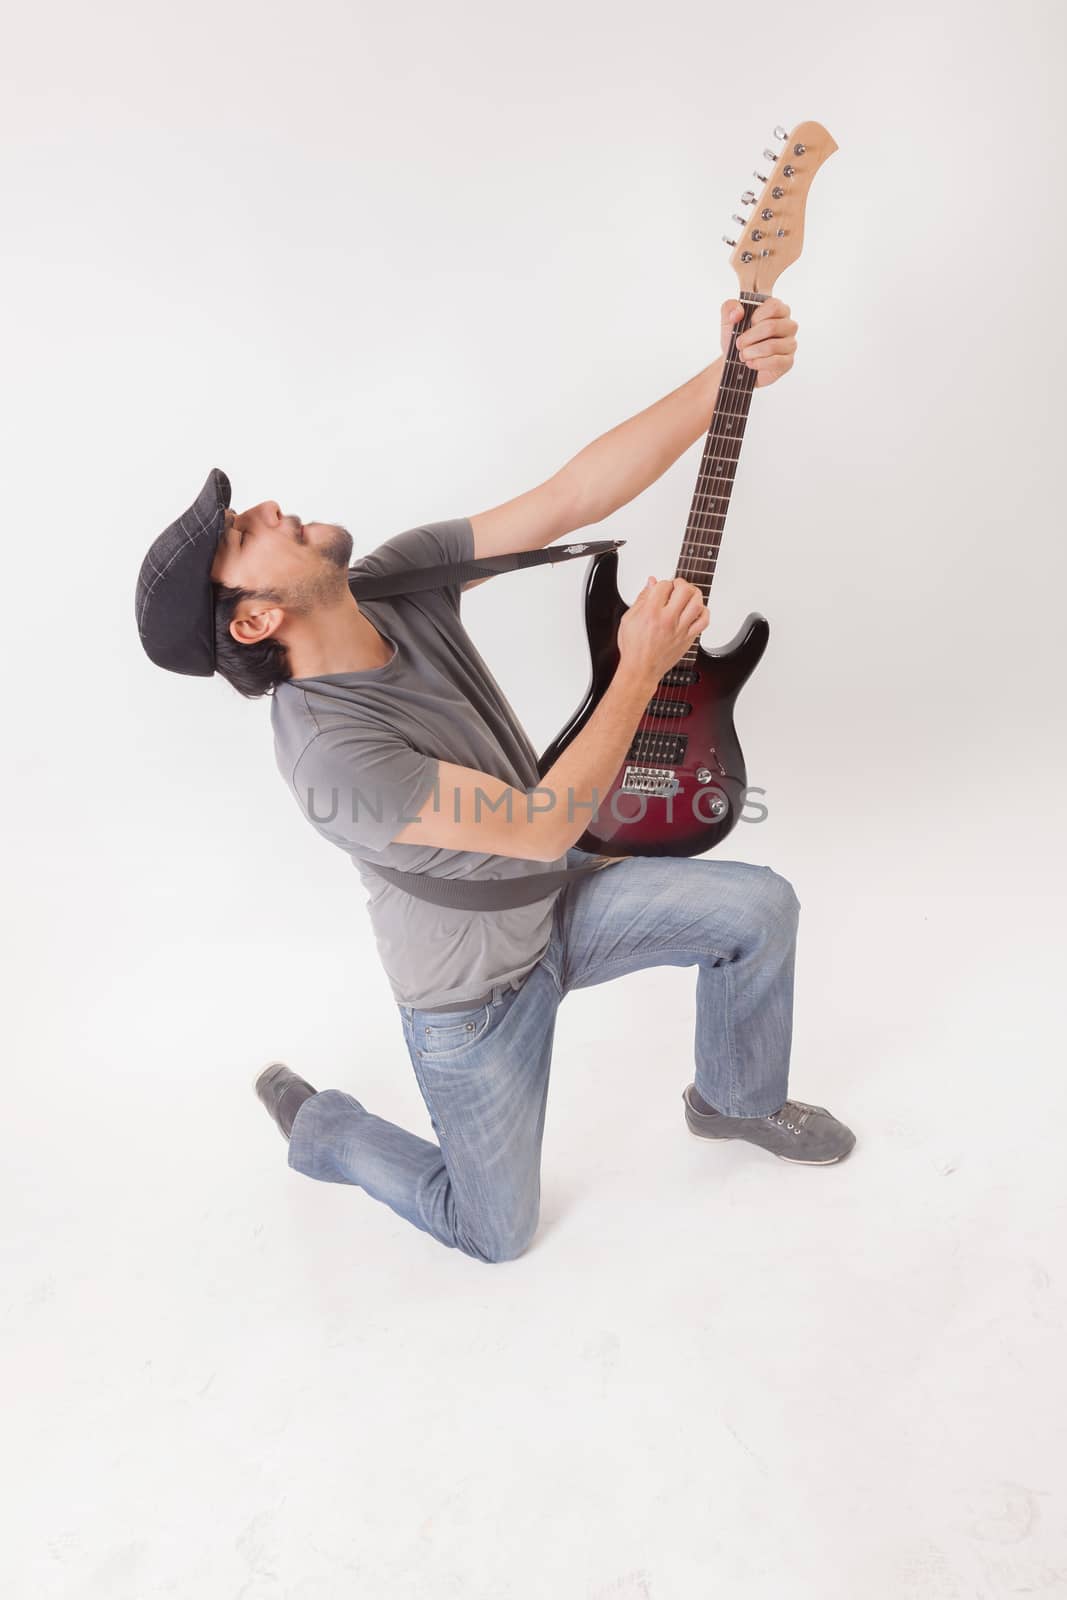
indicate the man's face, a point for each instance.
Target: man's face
{"x":305,"y":564}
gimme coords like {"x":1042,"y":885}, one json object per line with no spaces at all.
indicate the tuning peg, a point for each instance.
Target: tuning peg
{"x":780,"y":132}
{"x":736,"y":218}
{"x":769,"y":155}
{"x":760,"y":176}
{"x":748,"y":198}
{"x":731,"y":242}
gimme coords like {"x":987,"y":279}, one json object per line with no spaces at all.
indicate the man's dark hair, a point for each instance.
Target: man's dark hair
{"x":253,"y":669}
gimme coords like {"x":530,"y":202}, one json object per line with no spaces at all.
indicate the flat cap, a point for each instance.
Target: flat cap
{"x":175,"y":604}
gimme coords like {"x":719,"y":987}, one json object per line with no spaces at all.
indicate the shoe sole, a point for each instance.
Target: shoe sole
{"x":799,"y":1161}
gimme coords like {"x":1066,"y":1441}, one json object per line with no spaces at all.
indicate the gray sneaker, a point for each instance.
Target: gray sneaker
{"x":795,"y":1132}
{"x":283,"y":1093}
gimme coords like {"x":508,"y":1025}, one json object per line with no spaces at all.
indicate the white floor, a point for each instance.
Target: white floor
{"x":712,"y":1372}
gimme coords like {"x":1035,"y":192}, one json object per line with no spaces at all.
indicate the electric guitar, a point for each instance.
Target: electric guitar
{"x":682,"y":785}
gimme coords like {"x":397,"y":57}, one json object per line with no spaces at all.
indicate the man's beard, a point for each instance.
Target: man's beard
{"x":337,"y":548}
{"x":329,"y":584}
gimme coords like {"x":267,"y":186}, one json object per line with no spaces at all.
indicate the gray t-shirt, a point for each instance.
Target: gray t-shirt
{"x":360,"y":751}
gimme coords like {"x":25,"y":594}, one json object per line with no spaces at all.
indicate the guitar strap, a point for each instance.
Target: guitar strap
{"x":479,"y":894}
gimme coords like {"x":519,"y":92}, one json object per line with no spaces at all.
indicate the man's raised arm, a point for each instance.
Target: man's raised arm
{"x":619,"y":464}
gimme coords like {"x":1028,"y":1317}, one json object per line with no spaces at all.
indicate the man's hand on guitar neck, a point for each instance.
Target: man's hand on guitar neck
{"x":768,"y":344}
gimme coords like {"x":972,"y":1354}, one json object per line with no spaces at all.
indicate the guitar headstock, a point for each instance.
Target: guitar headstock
{"x":772,"y":236}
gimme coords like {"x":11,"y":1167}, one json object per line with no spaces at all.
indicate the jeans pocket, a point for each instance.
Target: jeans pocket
{"x":452,"y":1036}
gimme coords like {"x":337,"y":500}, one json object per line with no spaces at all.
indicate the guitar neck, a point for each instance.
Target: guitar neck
{"x":718,"y":466}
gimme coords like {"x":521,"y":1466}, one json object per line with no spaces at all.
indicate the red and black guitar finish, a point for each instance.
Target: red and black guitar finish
{"x":682,"y":786}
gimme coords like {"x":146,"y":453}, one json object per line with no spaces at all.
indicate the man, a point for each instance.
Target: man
{"x":401,"y":749}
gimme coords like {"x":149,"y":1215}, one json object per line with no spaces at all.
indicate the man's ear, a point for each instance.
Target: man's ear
{"x":254,"y":622}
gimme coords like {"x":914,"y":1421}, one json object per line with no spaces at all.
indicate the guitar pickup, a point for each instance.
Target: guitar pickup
{"x":679,"y":677}
{"x":668,"y":708}
{"x":652,"y":748}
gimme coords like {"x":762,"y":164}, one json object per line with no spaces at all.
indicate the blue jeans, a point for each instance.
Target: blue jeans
{"x":483,"y":1072}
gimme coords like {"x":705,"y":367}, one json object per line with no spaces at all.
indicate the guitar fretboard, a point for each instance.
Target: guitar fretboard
{"x":718,"y":466}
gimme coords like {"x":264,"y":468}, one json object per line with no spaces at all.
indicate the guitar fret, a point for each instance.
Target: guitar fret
{"x":715,"y":477}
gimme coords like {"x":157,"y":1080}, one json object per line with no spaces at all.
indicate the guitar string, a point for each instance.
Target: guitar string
{"x":698,"y":549}
{"x":659,"y":722}
{"x":739,"y":389}
{"x":695,"y":547}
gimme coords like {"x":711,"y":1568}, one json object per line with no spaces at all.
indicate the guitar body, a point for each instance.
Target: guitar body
{"x":682,"y":787}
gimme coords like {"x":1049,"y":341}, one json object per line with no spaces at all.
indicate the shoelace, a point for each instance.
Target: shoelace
{"x":792,"y":1114}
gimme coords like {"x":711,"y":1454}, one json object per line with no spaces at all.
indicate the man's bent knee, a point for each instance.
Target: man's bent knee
{"x":784,"y":896}
{"x":499,"y":1244}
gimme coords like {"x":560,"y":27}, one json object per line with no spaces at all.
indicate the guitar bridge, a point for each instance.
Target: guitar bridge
{"x":649,"y":780}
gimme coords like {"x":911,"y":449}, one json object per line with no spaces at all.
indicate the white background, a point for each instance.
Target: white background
{"x":394,"y":265}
